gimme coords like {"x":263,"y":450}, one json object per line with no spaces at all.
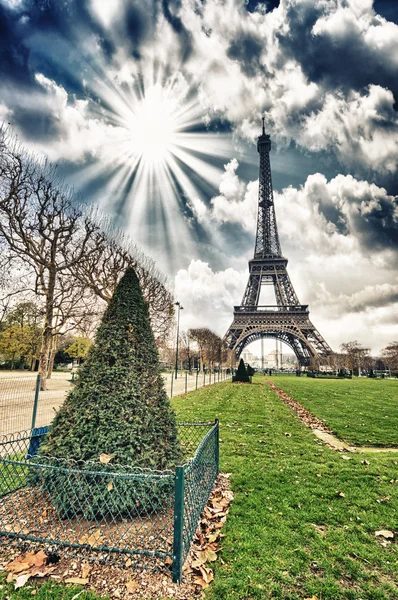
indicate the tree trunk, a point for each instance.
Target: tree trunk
{"x":33,"y":364}
{"x":47,"y":331}
{"x":51,"y":363}
{"x":52,"y":357}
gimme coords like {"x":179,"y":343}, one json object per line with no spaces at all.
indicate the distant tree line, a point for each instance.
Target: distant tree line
{"x":356,"y":358}
{"x":60,"y":259}
{"x":199,"y":348}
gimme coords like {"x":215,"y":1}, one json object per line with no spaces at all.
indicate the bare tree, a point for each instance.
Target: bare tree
{"x":355,"y":354}
{"x":389,"y":355}
{"x":41,"y":228}
{"x":209,"y":346}
{"x":186,"y":350}
{"x":112,"y":253}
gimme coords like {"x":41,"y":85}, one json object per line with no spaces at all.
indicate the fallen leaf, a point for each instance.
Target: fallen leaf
{"x":207,"y":574}
{"x":384,"y":500}
{"x":344,"y":457}
{"x":21,"y":580}
{"x":110,"y":486}
{"x":211,"y":556}
{"x":341,"y":494}
{"x":385,"y":533}
{"x":201,"y":557}
{"x":365,"y":462}
{"x":128,"y":562}
{"x":38,"y":560}
{"x":213,"y":537}
{"x":105,"y":458}
{"x":200,"y":581}
{"x":168,"y":561}
{"x":86,"y":570}
{"x":92,"y":539}
{"x":23,"y":563}
{"x":77,"y":580}
{"x":16,"y":566}
{"x":132,"y":586}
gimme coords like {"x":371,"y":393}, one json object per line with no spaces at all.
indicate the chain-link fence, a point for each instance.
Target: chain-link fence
{"x":188,"y":381}
{"x":108,"y":509}
{"x":24,"y":406}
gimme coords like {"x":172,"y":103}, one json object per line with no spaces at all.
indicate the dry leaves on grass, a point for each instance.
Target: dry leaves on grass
{"x":385,"y":533}
{"x":208,"y":536}
{"x":384,"y":537}
{"x":304,"y":415}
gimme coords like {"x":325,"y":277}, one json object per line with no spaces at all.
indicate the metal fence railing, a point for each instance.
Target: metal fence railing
{"x":188,"y":381}
{"x":109,"y":509}
{"x":23,"y":406}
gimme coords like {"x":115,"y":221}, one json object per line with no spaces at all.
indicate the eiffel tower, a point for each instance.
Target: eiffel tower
{"x":287,"y":320}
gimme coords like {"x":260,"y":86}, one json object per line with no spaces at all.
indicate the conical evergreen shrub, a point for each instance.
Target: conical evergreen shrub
{"x":241,"y":374}
{"x":118,"y":408}
{"x":250,"y":370}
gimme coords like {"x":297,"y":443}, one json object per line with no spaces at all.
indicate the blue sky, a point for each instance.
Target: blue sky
{"x":152,"y":109}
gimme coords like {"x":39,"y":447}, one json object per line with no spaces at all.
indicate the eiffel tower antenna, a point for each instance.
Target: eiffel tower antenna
{"x":287,"y":320}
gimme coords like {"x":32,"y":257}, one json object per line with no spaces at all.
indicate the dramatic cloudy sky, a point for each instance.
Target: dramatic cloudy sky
{"x":152,"y":109}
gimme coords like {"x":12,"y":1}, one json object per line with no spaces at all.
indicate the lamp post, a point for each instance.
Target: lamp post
{"x":178,"y":334}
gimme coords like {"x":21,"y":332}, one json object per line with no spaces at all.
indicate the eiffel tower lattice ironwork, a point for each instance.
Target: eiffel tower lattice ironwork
{"x":287,"y":320}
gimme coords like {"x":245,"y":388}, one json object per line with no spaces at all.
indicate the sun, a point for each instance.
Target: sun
{"x":161,"y":154}
{"x":154,"y":125}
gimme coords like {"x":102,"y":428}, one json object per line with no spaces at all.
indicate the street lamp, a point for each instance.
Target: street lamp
{"x":178,"y":334}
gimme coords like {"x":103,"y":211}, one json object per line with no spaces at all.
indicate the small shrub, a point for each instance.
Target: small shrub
{"x":241,"y":374}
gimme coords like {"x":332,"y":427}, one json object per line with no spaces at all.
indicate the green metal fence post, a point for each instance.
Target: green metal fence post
{"x":218,"y":445}
{"x":36,"y":401}
{"x":178,"y":545}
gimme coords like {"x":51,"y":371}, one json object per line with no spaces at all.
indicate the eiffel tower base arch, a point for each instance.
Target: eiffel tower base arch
{"x":290,"y":325}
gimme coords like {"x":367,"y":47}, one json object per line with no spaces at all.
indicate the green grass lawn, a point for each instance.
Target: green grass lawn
{"x":363,"y":412}
{"x":303,"y":520}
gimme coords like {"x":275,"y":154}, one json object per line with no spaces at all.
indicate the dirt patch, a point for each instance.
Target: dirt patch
{"x":125,"y":576}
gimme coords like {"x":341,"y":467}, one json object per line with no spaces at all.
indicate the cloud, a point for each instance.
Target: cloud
{"x":341,"y":215}
{"x":362,"y":129}
{"x":236,"y":203}
{"x":347,"y":45}
{"x":57,"y":123}
{"x":205,"y":293}
{"x":324,"y":72}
